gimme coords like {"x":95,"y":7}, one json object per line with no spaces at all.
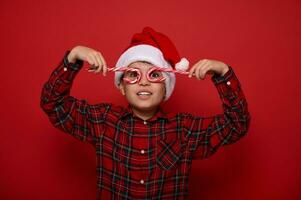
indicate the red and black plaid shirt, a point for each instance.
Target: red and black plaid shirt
{"x":139,"y":159}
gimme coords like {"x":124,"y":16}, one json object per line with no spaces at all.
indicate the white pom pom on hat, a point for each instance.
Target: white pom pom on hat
{"x":157,"y":49}
{"x":182,"y":65}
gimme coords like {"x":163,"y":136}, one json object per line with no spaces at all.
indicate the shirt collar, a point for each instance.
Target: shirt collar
{"x":160,"y":114}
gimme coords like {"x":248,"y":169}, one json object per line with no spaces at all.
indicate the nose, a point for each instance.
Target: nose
{"x":144,"y":81}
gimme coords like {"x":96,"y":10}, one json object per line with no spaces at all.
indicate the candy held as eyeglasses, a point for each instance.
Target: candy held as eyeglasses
{"x":154,"y":74}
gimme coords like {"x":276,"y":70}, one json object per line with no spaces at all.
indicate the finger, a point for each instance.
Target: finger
{"x":204,"y":71}
{"x":104,"y":70}
{"x":196,"y":66}
{"x":96,"y":64}
{"x":202,"y":68}
{"x":100,"y":64}
{"x":192,"y":70}
{"x":88,"y":68}
{"x":198,"y":70}
{"x":105,"y":67}
{"x":102,"y":59}
{"x":91,"y":61}
{"x":92,"y":66}
{"x":197,"y":73}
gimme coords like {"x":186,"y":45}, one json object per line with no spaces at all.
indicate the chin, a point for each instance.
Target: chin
{"x":145,"y":106}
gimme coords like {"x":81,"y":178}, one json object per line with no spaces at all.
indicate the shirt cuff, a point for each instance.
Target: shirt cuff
{"x":72,"y":66}
{"x":226,"y":84}
{"x":216,"y":78}
{"x":66,"y":71}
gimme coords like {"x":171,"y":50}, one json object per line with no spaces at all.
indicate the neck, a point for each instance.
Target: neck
{"x":144,"y":114}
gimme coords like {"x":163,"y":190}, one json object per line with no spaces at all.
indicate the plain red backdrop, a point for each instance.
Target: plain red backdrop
{"x":260,"y":39}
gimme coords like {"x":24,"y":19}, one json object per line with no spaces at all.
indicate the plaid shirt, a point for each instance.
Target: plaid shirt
{"x":144,"y":159}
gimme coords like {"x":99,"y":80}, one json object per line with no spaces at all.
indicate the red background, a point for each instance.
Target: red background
{"x":260,"y":39}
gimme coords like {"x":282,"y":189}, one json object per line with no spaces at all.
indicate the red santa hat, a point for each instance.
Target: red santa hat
{"x":157,"y":49}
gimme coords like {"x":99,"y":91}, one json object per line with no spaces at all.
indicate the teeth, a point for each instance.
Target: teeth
{"x":144,"y":93}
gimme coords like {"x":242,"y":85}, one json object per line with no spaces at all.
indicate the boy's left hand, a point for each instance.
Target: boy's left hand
{"x":206,"y":66}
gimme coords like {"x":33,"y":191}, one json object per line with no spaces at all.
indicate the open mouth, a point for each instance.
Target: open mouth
{"x":144,"y":93}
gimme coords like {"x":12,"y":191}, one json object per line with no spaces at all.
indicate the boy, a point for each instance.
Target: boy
{"x":141,"y":151}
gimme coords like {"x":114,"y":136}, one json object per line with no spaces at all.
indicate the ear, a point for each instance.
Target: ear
{"x":121,"y":88}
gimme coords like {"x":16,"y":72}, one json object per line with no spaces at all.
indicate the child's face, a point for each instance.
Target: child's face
{"x":143,"y":95}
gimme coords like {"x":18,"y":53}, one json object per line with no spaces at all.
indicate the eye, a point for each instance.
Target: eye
{"x":155,"y":74}
{"x":132,"y":74}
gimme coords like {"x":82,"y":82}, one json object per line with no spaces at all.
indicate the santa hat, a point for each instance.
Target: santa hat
{"x":157,"y":49}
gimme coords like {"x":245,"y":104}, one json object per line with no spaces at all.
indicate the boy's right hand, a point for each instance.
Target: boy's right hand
{"x":91,"y":56}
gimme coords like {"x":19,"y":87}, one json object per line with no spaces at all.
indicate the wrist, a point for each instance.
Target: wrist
{"x":225,"y":70}
{"x":72,"y":56}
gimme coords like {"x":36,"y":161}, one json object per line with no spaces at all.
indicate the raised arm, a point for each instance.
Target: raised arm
{"x":73,"y":116}
{"x":206,"y":134}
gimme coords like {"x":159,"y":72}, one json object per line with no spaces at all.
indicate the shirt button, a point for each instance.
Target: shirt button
{"x":142,"y":151}
{"x":65,"y":68}
{"x":141,"y":181}
{"x":228,"y":83}
{"x":145,"y":122}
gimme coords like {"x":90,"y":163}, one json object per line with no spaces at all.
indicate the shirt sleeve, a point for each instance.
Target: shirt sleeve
{"x":204,"y":135}
{"x":75,"y":117}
